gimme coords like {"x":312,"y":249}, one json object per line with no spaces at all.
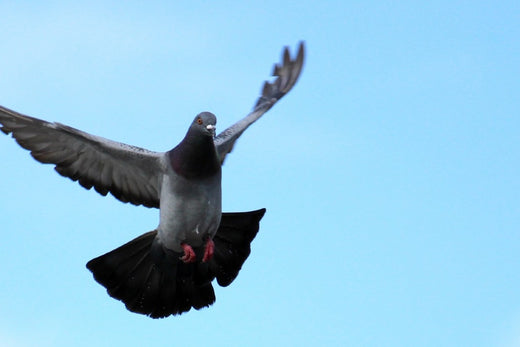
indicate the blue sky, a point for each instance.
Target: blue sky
{"x":389,"y":174}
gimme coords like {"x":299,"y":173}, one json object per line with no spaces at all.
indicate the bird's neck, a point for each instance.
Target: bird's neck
{"x":195,"y":157}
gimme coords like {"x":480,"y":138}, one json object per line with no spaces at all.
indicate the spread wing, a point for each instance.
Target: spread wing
{"x":129,"y":173}
{"x":286,"y":76}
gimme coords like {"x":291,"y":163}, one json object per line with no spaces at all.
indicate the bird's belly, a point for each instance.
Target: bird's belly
{"x":190,"y":212}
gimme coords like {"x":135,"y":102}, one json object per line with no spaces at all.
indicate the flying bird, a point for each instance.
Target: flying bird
{"x":169,"y":270}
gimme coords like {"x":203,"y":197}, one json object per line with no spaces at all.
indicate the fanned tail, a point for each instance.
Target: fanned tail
{"x":149,"y":279}
{"x":152,"y":280}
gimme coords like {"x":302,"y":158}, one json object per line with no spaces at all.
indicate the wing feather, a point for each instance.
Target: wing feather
{"x":286,"y":75}
{"x":131,"y":174}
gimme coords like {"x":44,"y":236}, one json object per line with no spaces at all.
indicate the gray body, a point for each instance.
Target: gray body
{"x":193,"y":218}
{"x":190,"y":200}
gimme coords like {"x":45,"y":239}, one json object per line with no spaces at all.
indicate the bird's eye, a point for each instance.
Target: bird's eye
{"x":199,"y":121}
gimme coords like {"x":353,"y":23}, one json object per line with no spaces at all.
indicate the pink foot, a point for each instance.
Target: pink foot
{"x":208,"y":250}
{"x":189,"y":255}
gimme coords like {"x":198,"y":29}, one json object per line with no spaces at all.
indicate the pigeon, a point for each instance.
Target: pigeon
{"x":170,"y":269}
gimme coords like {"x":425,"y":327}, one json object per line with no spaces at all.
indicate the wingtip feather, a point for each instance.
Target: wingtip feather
{"x":286,"y":56}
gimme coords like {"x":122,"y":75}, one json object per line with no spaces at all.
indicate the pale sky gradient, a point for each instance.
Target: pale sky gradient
{"x":390,"y":173}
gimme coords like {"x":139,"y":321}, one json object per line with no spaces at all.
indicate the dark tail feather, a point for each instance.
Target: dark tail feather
{"x":153,"y":281}
{"x":233,"y":244}
{"x":149,"y":280}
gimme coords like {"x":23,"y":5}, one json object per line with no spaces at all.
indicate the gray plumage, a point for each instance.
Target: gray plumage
{"x":170,"y":269}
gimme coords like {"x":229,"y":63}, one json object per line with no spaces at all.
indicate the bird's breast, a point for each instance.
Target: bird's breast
{"x":190,"y":210}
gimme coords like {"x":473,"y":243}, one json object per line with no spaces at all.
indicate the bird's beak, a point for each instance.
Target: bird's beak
{"x":211,"y":128}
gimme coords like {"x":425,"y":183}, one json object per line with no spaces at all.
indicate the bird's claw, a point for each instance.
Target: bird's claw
{"x":208,"y":250}
{"x":189,"y":255}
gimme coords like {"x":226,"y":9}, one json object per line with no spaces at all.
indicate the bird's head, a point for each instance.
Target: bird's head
{"x":205,"y":124}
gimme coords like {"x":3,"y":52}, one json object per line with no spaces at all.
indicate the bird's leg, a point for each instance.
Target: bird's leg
{"x":208,"y":250}
{"x":189,"y":255}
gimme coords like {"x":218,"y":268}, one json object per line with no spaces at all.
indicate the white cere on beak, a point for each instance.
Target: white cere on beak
{"x":210,"y":127}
